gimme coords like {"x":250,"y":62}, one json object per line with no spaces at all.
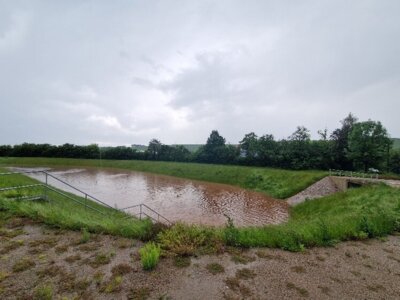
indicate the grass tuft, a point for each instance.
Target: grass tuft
{"x":186,"y":240}
{"x":245,"y":274}
{"x":100,"y":259}
{"x":149,"y":255}
{"x":141,"y":293}
{"x":215,"y":268}
{"x":121,"y":269}
{"x":43,"y":292}
{"x":85,"y":236}
{"x":182,"y":261}
{"x":113,"y":285}
{"x":23,"y":264}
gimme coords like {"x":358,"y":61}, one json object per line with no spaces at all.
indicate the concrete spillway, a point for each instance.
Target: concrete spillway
{"x":332,"y":184}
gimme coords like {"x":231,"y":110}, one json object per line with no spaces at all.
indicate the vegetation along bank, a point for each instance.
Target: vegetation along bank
{"x":361,"y":213}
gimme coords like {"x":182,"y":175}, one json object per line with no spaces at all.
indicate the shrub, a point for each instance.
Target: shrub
{"x":149,"y":255}
{"x":152,"y":231}
{"x":186,"y":240}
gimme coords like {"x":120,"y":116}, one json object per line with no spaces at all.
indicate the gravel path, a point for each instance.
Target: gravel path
{"x":321,"y":188}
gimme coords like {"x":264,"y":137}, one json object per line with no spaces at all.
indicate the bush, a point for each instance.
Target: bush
{"x":149,"y":256}
{"x":186,"y":240}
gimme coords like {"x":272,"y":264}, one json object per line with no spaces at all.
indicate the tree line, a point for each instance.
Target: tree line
{"x":353,"y":146}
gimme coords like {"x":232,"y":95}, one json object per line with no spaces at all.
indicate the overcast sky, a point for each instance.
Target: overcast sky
{"x":124,"y":72}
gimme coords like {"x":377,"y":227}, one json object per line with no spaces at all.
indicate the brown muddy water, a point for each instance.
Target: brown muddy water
{"x":177,"y":199}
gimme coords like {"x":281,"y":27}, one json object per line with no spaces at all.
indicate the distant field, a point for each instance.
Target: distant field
{"x":274,"y":182}
{"x":396,"y":143}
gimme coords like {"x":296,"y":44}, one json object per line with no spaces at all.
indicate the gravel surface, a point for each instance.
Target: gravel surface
{"x":33,"y":257}
{"x":321,"y":188}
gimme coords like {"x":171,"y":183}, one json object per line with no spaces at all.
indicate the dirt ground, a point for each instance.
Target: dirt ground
{"x":37,"y":261}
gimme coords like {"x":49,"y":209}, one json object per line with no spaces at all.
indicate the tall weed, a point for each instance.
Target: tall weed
{"x":149,"y":256}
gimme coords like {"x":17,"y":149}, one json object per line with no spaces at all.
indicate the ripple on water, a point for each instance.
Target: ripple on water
{"x":177,"y":199}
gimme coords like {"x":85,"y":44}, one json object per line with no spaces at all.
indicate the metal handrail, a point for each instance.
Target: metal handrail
{"x":71,"y":186}
{"x":20,"y":187}
{"x":77,"y":201}
{"x":60,"y":180}
{"x":353,"y":174}
{"x":141,"y":212}
{"x":47,"y":186}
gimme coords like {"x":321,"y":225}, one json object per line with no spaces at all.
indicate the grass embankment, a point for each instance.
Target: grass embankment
{"x":64,"y":213}
{"x":362,"y":213}
{"x":274,"y":182}
{"x":366,"y":212}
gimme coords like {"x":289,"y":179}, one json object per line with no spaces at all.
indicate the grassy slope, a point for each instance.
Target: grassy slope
{"x":358,"y":213}
{"x":64,"y":213}
{"x":275,"y":182}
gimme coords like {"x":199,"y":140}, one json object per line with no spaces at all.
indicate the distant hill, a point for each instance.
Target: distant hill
{"x":140,"y":148}
{"x":190,"y":147}
{"x":396,"y":143}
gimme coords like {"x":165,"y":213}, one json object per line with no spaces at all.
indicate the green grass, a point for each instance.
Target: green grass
{"x":366,"y":212}
{"x":43,"y":292}
{"x":361,"y":213}
{"x":149,"y":255}
{"x":274,"y":182}
{"x":64,"y":213}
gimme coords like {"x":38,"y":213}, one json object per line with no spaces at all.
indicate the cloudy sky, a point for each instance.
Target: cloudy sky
{"x":123,"y":72}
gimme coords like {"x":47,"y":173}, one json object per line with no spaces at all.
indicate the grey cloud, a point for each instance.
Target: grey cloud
{"x":125,"y":72}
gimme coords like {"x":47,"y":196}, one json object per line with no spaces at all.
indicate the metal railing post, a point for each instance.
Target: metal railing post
{"x":45,"y":188}
{"x":48,"y":188}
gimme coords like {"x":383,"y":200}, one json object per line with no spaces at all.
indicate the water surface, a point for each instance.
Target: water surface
{"x":177,"y":199}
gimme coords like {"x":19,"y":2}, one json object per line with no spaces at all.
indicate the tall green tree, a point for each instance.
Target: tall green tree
{"x":301,"y":134}
{"x":154,"y":149}
{"x":368,"y":145}
{"x":215,"y":150}
{"x":298,"y":148}
{"x":268,"y":148}
{"x":250,"y":147}
{"x":215,"y":140}
{"x":340,"y":138}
